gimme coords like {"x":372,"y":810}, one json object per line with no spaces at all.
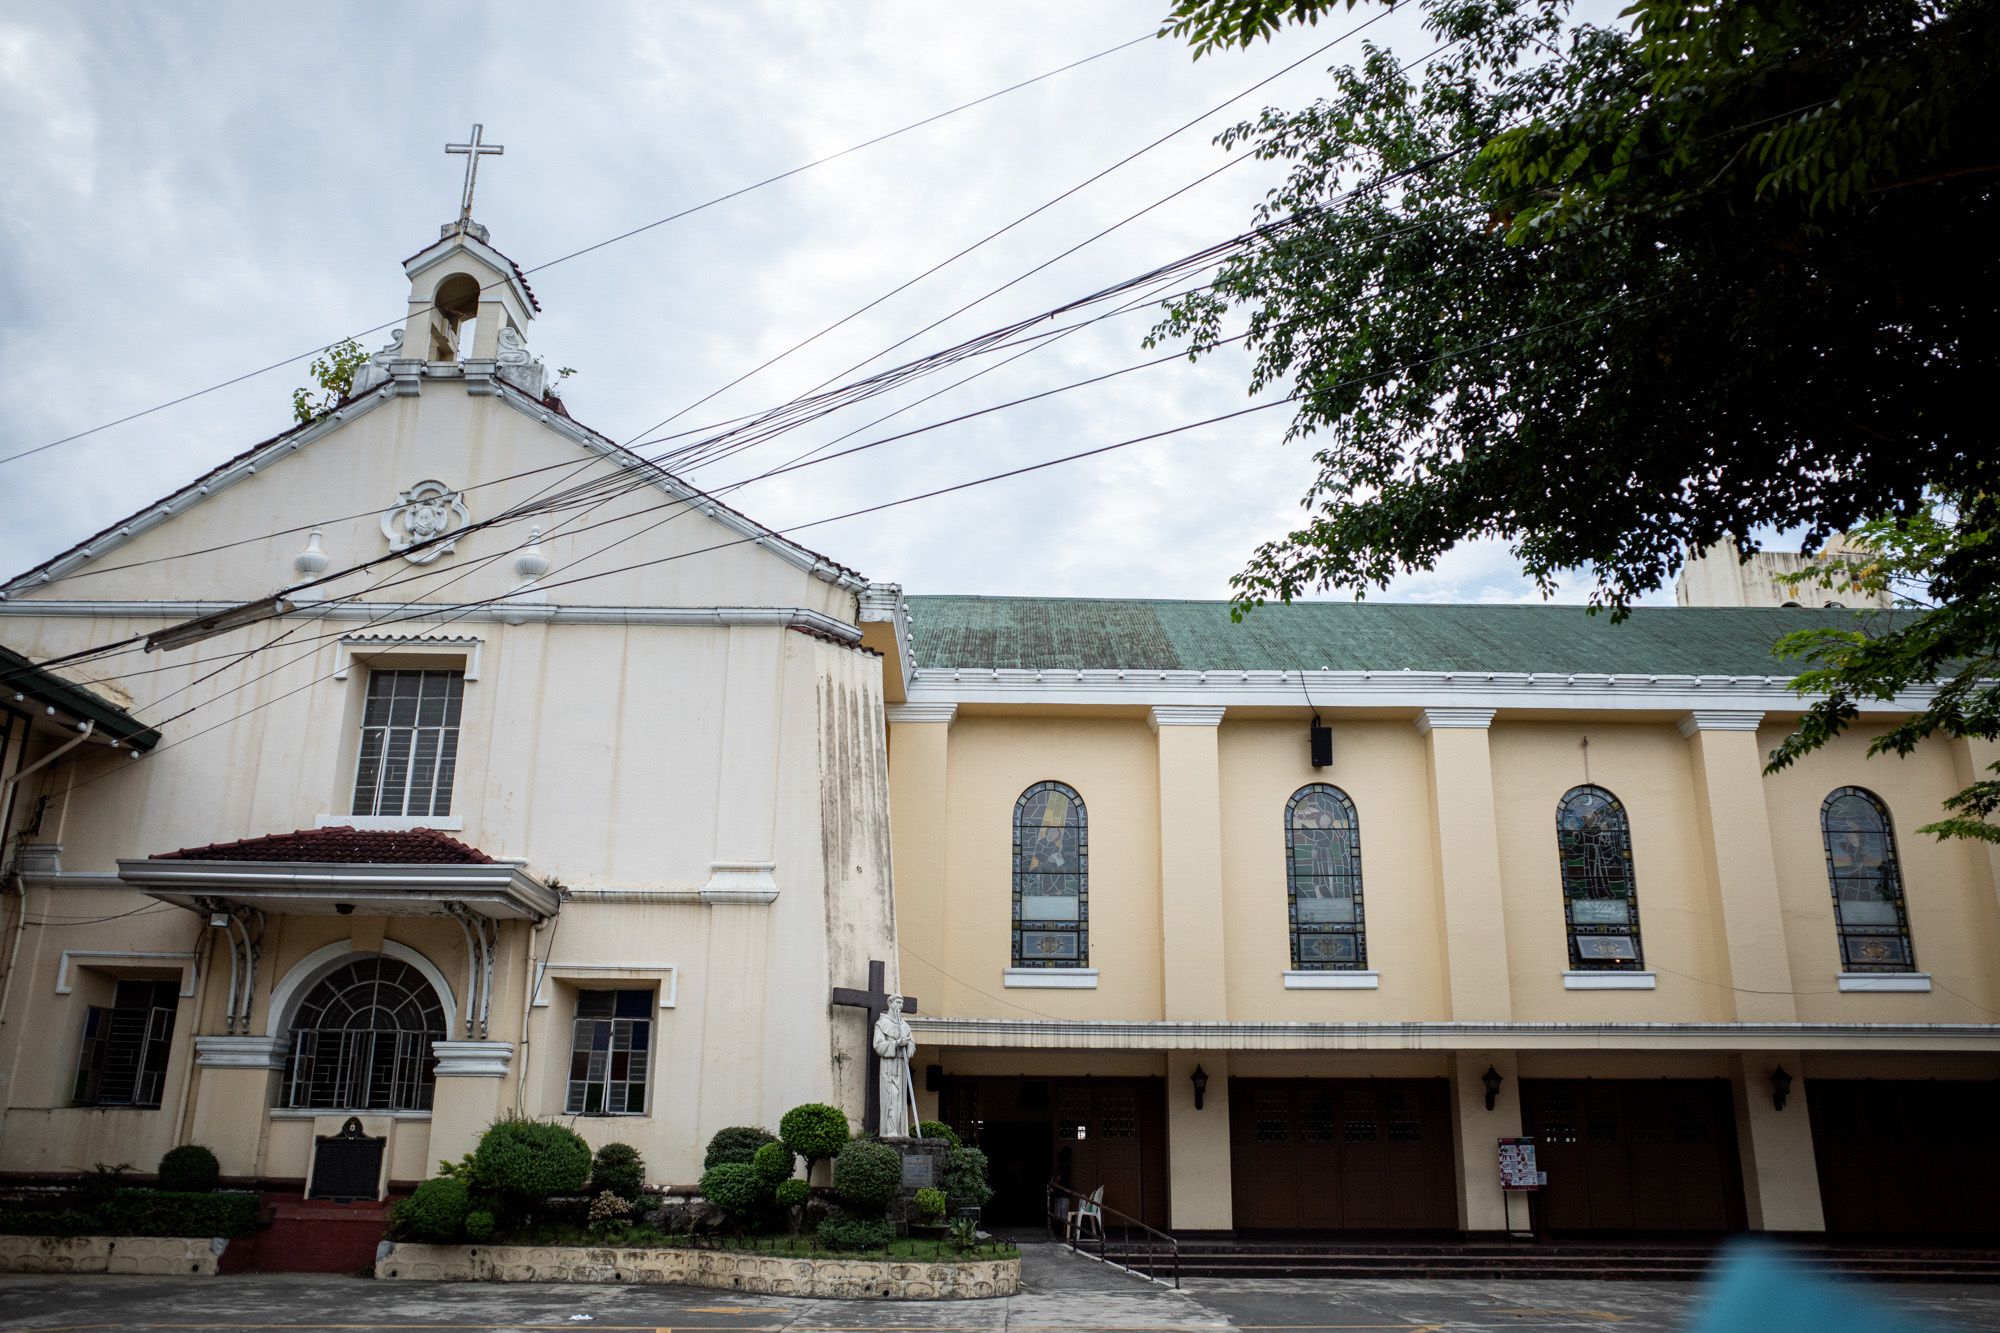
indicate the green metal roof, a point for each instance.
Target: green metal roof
{"x":1087,"y":633}
{"x":18,"y":675}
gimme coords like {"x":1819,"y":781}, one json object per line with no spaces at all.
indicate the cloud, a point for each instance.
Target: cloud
{"x":199,"y":192}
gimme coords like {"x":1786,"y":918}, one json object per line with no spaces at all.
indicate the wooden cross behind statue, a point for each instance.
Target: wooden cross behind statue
{"x":876,"y":1001}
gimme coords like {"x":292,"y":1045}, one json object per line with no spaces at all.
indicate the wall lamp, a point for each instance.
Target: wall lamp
{"x":1200,"y":1080}
{"x":1781,"y":1088}
{"x":1491,"y":1078}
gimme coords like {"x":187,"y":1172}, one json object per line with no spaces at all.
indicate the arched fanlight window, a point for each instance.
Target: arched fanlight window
{"x":361,"y":1040}
{"x":1051,"y":878}
{"x":1600,"y":894}
{"x":1323,"y":880}
{"x":1867,"y":883}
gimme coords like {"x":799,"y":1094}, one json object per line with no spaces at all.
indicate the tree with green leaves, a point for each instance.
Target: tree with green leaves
{"x":333,"y":371}
{"x":1615,"y":292}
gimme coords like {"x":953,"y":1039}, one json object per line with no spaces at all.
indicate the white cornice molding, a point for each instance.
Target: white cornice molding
{"x":1185,"y":715}
{"x":126,"y":962}
{"x":1158,"y":1035}
{"x":1454,"y":719}
{"x":239,"y":1052}
{"x":928,"y":712}
{"x":1374,"y":689}
{"x":473,"y":1059}
{"x":1720,"y":719}
{"x":882,"y":603}
{"x":413,"y":613}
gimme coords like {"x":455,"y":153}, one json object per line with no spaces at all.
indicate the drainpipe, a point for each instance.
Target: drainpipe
{"x":532,"y":987}
{"x":7,"y":788}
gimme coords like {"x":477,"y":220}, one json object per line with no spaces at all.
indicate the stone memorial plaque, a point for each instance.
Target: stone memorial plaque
{"x":919,"y":1172}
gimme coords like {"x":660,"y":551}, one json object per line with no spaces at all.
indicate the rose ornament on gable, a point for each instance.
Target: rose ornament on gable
{"x":426,"y":512}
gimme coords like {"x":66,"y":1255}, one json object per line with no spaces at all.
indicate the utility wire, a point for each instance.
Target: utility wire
{"x":599,"y":245}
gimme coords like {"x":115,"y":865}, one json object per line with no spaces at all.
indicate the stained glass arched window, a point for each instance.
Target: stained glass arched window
{"x":361,"y":1040}
{"x":1600,"y":894}
{"x":1051,"y":878}
{"x":1323,"y":880}
{"x":1867,"y":883}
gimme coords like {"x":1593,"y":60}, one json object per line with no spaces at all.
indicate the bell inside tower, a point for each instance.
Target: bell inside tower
{"x":454,"y":313}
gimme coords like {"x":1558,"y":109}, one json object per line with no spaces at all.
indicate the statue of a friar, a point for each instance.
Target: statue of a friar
{"x":894,"y":1045}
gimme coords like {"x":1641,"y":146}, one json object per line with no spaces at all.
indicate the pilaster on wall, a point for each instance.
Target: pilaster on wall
{"x":1976,"y":759}
{"x":919,"y":783}
{"x":746,"y":819}
{"x":1482,"y":1204}
{"x":1191,"y":916}
{"x":1780,"y":1176}
{"x":1198,"y":1179}
{"x":231,"y":1074}
{"x":1468,"y":861}
{"x":1735,"y":830}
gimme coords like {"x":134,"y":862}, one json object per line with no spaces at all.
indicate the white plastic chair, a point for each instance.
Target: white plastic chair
{"x":1090,"y":1212}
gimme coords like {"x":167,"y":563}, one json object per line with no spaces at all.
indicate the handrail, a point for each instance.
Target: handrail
{"x":1155,"y":1239}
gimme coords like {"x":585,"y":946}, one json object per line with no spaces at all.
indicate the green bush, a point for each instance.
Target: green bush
{"x":165,"y":1211}
{"x":965,"y":1182}
{"x":735,"y":1188}
{"x":738,"y":1143}
{"x":938,"y":1129}
{"x":479,"y":1224}
{"x":619,"y":1169}
{"x":526,"y":1161}
{"x":190,"y":1169}
{"x":434,"y":1214}
{"x":930,"y":1204}
{"x":774,"y":1162}
{"x":791,"y":1193}
{"x":815,"y":1131}
{"x":867,"y":1175}
{"x":854,"y":1233}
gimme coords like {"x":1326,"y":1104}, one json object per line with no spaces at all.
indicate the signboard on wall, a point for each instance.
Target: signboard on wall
{"x":1517,"y":1166}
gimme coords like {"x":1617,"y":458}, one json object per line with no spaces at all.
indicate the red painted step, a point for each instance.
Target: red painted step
{"x":311,"y":1236}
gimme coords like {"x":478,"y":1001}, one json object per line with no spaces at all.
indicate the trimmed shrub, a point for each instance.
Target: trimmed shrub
{"x":735,"y":1188}
{"x":479,"y":1224}
{"x":774,"y":1162}
{"x":854,"y":1233}
{"x":738,"y":1143}
{"x":190,"y":1169}
{"x":814,"y":1131}
{"x":938,"y":1129}
{"x":140,"y":1212}
{"x":867,"y":1175}
{"x":965,"y":1182}
{"x":435,"y":1213}
{"x":930,"y":1204}
{"x":528,"y":1160}
{"x":619,"y":1169}
{"x":791,"y":1193}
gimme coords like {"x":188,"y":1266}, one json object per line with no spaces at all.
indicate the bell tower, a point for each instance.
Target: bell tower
{"x":469,"y":305}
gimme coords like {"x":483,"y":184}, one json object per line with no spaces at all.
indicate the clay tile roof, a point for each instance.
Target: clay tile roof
{"x":354,"y":846}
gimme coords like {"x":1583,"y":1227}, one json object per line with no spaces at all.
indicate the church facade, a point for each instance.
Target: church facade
{"x":1280,"y":925}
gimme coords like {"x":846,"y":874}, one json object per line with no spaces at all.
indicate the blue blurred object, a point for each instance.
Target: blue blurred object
{"x":1755,"y":1288}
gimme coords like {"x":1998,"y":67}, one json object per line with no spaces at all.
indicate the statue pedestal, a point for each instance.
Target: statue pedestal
{"x":923,"y":1168}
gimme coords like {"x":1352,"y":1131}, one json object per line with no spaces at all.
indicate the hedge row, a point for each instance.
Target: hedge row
{"x":140,"y":1212}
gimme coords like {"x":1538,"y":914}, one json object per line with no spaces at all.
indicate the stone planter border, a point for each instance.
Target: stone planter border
{"x":723,"y":1270}
{"x":151,"y":1256}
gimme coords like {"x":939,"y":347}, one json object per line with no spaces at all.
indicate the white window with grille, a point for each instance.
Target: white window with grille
{"x":409,"y":744}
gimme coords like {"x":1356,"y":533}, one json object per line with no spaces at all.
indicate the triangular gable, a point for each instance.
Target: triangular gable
{"x":547,"y":411}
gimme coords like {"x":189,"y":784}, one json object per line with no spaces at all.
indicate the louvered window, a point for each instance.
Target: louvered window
{"x":125,"y":1046}
{"x":409,"y":744}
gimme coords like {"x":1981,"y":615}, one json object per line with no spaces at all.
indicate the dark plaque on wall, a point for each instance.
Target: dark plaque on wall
{"x":347,"y":1165}
{"x":918,"y":1173}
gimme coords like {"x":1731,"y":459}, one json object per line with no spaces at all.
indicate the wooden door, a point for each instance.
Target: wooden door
{"x":1906,"y":1157}
{"x":1634,"y":1155}
{"x":1342,"y":1154}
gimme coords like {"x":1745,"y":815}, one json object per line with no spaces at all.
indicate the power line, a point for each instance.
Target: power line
{"x":599,"y":245}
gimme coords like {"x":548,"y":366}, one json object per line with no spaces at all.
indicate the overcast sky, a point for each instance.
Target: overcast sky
{"x":192,"y":192}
